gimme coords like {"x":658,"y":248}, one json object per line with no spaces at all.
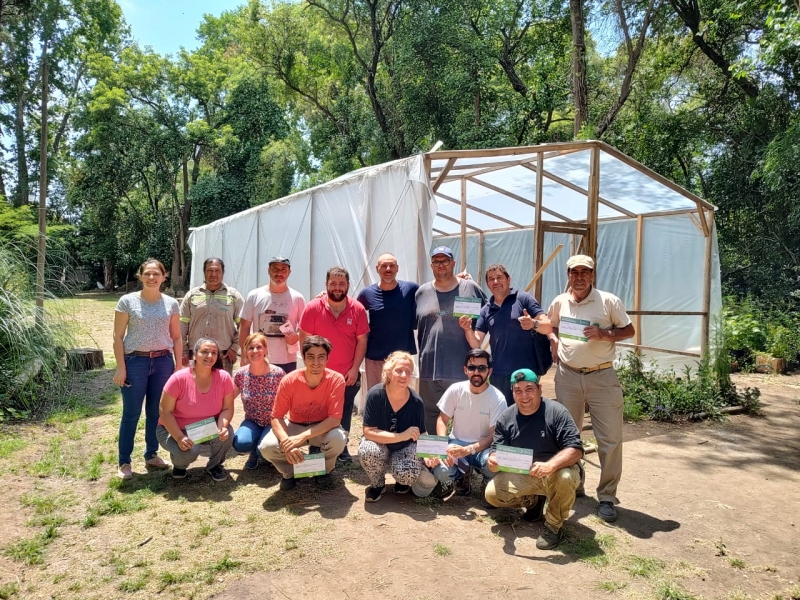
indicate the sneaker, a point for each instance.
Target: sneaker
{"x":345,"y":457}
{"x":549,"y":539}
{"x":156,"y":462}
{"x":535,"y":511}
{"x":581,"y":491}
{"x":218,"y":473}
{"x":323,"y":482}
{"x":607,"y":512}
{"x":442,"y":491}
{"x":288,"y":484}
{"x":463,"y":485}
{"x":178,"y":473}
{"x":484,"y":502}
{"x":399,"y":488}
{"x":125,"y":471}
{"x":314,"y":449}
{"x":253,"y":461}
{"x":374,"y":494}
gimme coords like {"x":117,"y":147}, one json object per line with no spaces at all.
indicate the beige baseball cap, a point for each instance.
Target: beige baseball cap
{"x":580,"y":260}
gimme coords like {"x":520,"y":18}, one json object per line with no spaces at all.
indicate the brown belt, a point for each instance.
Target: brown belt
{"x":153,"y":354}
{"x":584,"y":370}
{"x":304,"y":423}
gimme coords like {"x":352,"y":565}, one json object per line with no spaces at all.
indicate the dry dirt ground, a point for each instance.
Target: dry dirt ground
{"x":709,"y":510}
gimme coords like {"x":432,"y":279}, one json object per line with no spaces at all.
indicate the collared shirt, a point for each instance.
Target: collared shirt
{"x":342,"y":331}
{"x":211,"y":314}
{"x":601,"y":309}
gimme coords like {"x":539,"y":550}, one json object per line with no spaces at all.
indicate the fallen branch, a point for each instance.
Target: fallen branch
{"x":728,"y":410}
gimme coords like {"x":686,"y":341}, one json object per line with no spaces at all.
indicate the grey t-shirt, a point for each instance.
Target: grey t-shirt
{"x":148,"y":322}
{"x":268,"y":312}
{"x":441,"y":341}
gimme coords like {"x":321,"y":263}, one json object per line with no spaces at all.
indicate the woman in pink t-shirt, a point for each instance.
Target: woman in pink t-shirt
{"x":203,"y":392}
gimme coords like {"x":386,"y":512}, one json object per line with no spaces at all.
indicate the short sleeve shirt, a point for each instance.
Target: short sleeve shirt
{"x":442,"y":343}
{"x":258,"y":393}
{"x":378,"y":413}
{"x":306,"y":405}
{"x":602,"y":310}
{"x":547,"y":431}
{"x":148,"y":322}
{"x":473,"y":414}
{"x":391,"y":319}
{"x":191,"y":405}
{"x":267,"y":311}
{"x":342,"y":331}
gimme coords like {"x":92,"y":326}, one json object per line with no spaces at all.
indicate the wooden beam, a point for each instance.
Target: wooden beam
{"x":706,"y":326}
{"x":480,"y":257}
{"x":593,"y":202}
{"x":488,"y":167}
{"x":514,"y":150}
{"x":479,"y":210}
{"x":666,"y":213}
{"x":463,"y":225}
{"x":637,"y":282}
{"x":652,"y":349}
{"x":518,"y":198}
{"x":442,"y":175}
{"x":538,"y":229}
{"x":452,"y":220}
{"x":659,"y":313}
{"x":538,"y":275}
{"x":697,"y":224}
{"x":439,"y":231}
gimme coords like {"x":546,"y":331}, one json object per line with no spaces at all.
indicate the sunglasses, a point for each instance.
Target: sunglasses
{"x":393,"y":423}
{"x":478,"y":368}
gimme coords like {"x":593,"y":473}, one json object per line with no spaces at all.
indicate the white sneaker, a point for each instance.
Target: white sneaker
{"x":125,"y":471}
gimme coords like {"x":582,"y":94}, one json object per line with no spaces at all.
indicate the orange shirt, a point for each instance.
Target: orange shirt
{"x":305,"y":405}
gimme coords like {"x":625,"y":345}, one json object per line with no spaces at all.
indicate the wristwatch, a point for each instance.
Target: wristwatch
{"x":535,"y":325}
{"x":472,"y":448}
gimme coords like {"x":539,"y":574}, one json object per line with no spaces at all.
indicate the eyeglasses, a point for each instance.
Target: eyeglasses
{"x":393,"y":423}
{"x":478,"y":368}
{"x":441,"y":263}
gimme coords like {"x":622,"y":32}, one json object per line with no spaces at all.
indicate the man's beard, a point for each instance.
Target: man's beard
{"x":337,"y":296}
{"x":480,"y":380}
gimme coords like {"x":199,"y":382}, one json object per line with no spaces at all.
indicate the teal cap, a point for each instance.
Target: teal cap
{"x":524,"y":375}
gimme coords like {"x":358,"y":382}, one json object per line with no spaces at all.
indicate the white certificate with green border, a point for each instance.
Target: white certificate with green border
{"x":432,"y":446}
{"x":313,"y":465}
{"x":572,"y":329}
{"x":514,"y":460}
{"x":202,"y":431}
{"x":468,"y":306}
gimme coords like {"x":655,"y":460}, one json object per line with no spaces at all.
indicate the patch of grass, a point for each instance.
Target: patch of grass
{"x":794,"y":592}
{"x":90,"y":519}
{"x":43,"y":504}
{"x":114,"y":503}
{"x":74,"y":409}
{"x":588,"y":550}
{"x":7,"y":590}
{"x":166,"y":579}
{"x":52,"y":520}
{"x":171,"y":555}
{"x":205,"y":530}
{"x":225,"y":564}
{"x":9,"y":445}
{"x":671,"y":591}
{"x":75,"y":587}
{"x":428,"y":502}
{"x":611,"y":586}
{"x":641,"y":566}
{"x":736,"y":563}
{"x":94,"y":467}
{"x":442,"y":550}
{"x":290,"y":543}
{"x":722,"y":549}
{"x":739,"y":595}
{"x":135,"y":584}
{"x":29,"y":551}
{"x":51,"y":462}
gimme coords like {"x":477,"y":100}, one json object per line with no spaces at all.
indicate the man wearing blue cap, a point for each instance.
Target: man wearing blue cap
{"x":545,"y":427}
{"x":441,"y":340}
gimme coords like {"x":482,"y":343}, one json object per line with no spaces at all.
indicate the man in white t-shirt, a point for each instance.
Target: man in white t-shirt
{"x":274,"y":310}
{"x":474,"y":406}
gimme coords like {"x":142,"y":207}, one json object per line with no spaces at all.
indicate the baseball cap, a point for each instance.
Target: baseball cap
{"x":280,"y":259}
{"x":442,"y":250}
{"x":524,"y":375}
{"x":580,"y":260}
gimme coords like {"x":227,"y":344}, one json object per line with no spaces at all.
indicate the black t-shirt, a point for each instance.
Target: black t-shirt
{"x":547,"y":431}
{"x":378,"y":413}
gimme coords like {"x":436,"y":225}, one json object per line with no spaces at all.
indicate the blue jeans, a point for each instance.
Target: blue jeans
{"x":249,"y":435}
{"x":477,"y":461}
{"x":146,"y":377}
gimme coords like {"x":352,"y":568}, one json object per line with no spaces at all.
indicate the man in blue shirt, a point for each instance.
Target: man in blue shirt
{"x":517,"y":328}
{"x":392,"y":311}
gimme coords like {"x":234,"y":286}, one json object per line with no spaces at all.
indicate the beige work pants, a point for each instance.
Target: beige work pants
{"x":330,"y":444}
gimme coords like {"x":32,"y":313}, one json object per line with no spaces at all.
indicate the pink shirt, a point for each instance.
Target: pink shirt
{"x":191,"y":405}
{"x":342,"y":331}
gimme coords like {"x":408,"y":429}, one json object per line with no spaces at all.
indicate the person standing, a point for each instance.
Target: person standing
{"x":275,"y":310}
{"x":441,"y":340}
{"x":392,"y":312}
{"x":587,"y":323}
{"x":342,"y":320}
{"x":147,"y":333}
{"x":517,"y":328}
{"x":212,"y":310}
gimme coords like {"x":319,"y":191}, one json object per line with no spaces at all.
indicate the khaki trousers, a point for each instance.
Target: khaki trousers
{"x":512,"y":490}
{"x":330,"y":443}
{"x":373,"y":369}
{"x":602,"y":392}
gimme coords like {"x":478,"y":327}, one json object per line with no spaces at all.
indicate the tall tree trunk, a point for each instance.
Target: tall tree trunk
{"x":108,"y":275}
{"x":3,"y":186}
{"x":579,"y":90}
{"x":23,"y":187}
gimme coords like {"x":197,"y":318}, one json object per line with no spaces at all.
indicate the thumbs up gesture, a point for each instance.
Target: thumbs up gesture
{"x":526,"y":321}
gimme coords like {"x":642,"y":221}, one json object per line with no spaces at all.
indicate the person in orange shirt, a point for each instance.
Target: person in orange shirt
{"x":313,"y":398}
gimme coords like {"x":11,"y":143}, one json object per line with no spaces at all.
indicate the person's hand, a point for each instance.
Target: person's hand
{"x":351,"y":376}
{"x":185,"y":359}
{"x":541,"y":469}
{"x":231,"y":355}
{"x":294,"y":456}
{"x":223,"y":433}
{"x":554,"y":349}
{"x":491,"y":462}
{"x":593,"y":333}
{"x":412,"y":433}
{"x":120,"y":375}
{"x":291,"y":338}
{"x":185,"y":443}
{"x":465,"y":322}
{"x":526,"y":321}
{"x":464,"y":275}
{"x":322,"y":294}
{"x":455,"y":451}
{"x":291,"y":443}
{"x":431,"y":462}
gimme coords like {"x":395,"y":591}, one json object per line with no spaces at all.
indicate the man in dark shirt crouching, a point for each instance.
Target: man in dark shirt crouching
{"x":546,"y":427}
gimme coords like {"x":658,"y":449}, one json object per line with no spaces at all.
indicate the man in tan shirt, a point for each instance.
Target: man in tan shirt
{"x":587,"y":323}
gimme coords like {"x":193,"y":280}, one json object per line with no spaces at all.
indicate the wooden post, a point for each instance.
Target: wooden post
{"x":42,"y":243}
{"x":538,"y":231}
{"x":593,"y":203}
{"x":463,"y":224}
{"x":637,"y":282}
{"x":708,"y":215}
{"x":479,"y":274}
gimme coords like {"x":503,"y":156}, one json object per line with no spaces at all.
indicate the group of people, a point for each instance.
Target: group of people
{"x":178,"y":361}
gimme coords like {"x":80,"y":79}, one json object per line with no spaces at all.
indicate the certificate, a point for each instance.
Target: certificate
{"x":432,"y":446}
{"x":202,"y":431}
{"x":572,"y":329}
{"x":313,"y":465}
{"x":468,"y":306}
{"x":514,"y":460}
{"x":286,"y":328}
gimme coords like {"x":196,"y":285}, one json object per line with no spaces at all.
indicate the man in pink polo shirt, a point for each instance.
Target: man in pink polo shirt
{"x":343,"y":321}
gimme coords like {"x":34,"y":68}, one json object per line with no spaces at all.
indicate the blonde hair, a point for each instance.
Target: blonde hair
{"x":390,"y":363}
{"x":253,"y":337}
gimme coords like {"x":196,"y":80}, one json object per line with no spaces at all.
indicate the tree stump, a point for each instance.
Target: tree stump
{"x":84,"y":359}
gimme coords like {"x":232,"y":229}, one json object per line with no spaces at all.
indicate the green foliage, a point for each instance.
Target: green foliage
{"x":751,"y":328}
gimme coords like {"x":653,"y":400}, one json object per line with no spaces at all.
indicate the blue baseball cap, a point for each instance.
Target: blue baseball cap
{"x":524,"y":375}
{"x":443,"y":250}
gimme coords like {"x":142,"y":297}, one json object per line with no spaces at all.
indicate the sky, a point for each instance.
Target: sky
{"x":166,"y":25}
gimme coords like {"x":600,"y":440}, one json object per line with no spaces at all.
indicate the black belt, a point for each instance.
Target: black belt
{"x":153,"y":354}
{"x":305,"y":423}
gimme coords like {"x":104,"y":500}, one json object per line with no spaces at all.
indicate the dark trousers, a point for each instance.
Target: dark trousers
{"x":350,"y":393}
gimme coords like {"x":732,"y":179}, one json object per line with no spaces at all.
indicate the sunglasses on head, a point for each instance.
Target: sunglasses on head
{"x":478,"y":368}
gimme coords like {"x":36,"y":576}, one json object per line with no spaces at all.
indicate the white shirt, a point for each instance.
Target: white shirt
{"x":473,"y":414}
